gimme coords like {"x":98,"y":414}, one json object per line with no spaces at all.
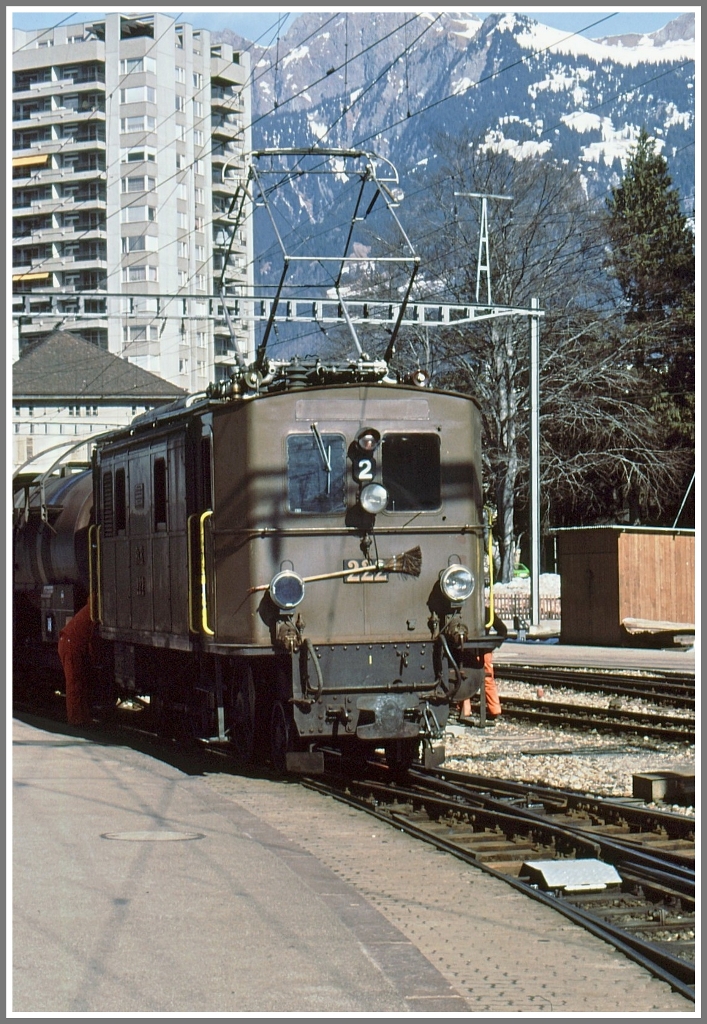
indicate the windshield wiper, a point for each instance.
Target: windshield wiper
{"x":325,"y":454}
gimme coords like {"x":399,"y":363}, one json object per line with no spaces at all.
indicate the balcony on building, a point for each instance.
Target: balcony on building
{"x":226,"y":96}
{"x":228,"y":125}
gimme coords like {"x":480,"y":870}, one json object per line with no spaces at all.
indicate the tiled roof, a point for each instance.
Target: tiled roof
{"x":64,"y":366}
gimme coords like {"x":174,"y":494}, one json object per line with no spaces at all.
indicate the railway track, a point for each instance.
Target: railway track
{"x":613,"y":817}
{"x":614,"y":871}
{"x":584,"y":716}
{"x":676,"y":689}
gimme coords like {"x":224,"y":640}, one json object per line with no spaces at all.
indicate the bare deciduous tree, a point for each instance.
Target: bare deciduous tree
{"x":600,"y":441}
{"x":605,"y":454}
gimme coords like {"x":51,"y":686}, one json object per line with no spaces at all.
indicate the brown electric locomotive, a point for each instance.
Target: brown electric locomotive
{"x":288,"y":563}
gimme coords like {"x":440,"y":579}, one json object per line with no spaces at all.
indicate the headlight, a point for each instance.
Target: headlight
{"x":374,"y":498}
{"x":457,"y":582}
{"x":419,"y":378}
{"x":368,"y":439}
{"x":286,"y":589}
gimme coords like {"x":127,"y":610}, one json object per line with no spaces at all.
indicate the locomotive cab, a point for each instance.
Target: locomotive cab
{"x":347,"y":534}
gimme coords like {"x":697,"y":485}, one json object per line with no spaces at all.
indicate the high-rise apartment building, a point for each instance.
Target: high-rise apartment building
{"x":130,"y":136}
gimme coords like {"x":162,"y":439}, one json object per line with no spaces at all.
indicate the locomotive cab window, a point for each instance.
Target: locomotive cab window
{"x":411,"y":472}
{"x":316,"y":473}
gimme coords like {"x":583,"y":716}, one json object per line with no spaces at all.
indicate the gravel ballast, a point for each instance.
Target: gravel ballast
{"x":595,"y":763}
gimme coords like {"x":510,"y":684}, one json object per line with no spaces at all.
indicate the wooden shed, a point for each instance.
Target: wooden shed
{"x":622,"y":581}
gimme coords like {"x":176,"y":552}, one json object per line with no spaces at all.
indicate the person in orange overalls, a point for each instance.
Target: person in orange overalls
{"x":493,"y":703}
{"x":76,"y":660}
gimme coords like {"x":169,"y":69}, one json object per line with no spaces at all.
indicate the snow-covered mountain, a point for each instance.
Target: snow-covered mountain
{"x":398,"y":84}
{"x":679,"y":30}
{"x":392,"y":82}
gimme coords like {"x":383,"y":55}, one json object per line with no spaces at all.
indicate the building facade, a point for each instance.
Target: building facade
{"x":130,"y":137}
{"x":66,"y":391}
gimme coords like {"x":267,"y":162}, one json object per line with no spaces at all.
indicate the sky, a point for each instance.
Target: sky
{"x":261,"y":24}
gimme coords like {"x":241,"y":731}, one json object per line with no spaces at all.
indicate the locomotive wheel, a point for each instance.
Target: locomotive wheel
{"x":243,"y":715}
{"x":401,"y":754}
{"x":281,"y":729}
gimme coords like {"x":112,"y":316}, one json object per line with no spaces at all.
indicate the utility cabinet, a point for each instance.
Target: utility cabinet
{"x":621,"y":581}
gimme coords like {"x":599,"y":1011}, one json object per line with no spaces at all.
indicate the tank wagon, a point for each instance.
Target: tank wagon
{"x":286,"y":563}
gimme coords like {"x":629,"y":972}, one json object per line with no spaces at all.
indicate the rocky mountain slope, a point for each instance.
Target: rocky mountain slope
{"x":396,"y":82}
{"x":399,"y":84}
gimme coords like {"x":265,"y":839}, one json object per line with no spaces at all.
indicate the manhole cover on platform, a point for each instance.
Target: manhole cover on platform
{"x":152,"y":836}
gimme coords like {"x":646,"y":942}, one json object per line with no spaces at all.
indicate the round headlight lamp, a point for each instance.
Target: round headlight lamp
{"x":374,"y":498}
{"x":457,"y":582}
{"x":286,"y":589}
{"x":368,"y":439}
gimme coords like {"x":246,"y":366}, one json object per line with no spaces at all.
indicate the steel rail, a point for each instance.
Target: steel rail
{"x":678,"y":973}
{"x":583,"y":716}
{"x":614,"y":808}
{"x":657,"y":676}
{"x":678,"y":690}
{"x":614,"y":850}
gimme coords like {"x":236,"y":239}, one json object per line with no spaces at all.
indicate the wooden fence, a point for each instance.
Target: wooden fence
{"x":507,"y":606}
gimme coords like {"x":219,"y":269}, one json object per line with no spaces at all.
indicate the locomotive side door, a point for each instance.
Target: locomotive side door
{"x":140,"y":519}
{"x":177,"y":523}
{"x":113,"y":558}
{"x":115,"y":543}
{"x":159,"y":528}
{"x":168,"y":536}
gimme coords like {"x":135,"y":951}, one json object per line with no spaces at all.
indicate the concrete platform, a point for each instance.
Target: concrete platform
{"x":139,"y":889}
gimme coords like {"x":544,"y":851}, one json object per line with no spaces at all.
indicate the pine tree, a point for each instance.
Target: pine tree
{"x":653,"y":260}
{"x":653,"y":253}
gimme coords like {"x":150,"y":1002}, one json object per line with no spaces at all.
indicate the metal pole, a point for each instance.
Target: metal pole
{"x":484,"y":245}
{"x":534,"y":465}
{"x":482,"y":267}
{"x":689,"y":488}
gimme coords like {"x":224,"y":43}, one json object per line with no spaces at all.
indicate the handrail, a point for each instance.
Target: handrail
{"x":94,"y":573}
{"x":193,"y":628}
{"x":489,"y":624}
{"x":190,"y":575}
{"x":202,"y":539}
